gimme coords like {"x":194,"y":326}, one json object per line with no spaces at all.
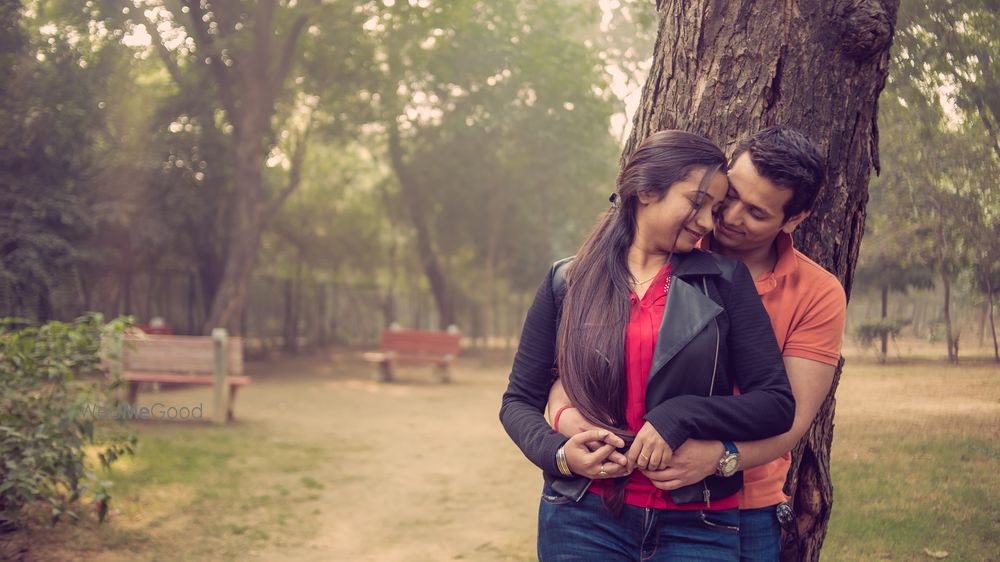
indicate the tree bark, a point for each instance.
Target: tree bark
{"x":726,"y":70}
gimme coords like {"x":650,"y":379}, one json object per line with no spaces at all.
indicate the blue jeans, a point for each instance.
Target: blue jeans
{"x":586,"y":530}
{"x":760,"y":535}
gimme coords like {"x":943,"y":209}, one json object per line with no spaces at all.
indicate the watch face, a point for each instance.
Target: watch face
{"x":728,"y":465}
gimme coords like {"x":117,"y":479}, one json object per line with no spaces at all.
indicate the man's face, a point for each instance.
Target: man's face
{"x":753,"y":214}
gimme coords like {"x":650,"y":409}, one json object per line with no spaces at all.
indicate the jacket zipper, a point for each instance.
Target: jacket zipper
{"x":706,"y":493}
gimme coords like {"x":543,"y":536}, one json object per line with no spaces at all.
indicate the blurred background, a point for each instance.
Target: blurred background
{"x":307,"y":173}
{"x":337,"y":167}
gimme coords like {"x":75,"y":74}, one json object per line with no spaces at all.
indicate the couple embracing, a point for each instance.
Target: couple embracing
{"x":681,"y":354}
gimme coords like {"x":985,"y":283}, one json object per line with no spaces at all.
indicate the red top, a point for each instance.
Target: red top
{"x":644,"y":320}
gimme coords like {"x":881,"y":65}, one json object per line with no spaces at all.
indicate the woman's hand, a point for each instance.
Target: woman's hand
{"x":597,"y":463}
{"x":648,"y":451}
{"x":693,"y":462}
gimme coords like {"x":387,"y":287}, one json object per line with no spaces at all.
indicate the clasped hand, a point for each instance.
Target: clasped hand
{"x":592,"y":453}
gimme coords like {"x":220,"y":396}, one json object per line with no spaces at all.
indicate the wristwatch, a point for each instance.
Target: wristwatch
{"x":730,"y":461}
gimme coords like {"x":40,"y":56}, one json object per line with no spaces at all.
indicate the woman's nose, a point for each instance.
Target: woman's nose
{"x":705,"y":219}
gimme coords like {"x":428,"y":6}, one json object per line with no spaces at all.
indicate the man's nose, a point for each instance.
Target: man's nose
{"x":731,"y":213}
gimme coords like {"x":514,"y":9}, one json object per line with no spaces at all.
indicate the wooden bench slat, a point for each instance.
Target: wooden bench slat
{"x":182,"y":379}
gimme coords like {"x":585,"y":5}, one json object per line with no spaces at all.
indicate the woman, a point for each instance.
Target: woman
{"x":652,"y":336}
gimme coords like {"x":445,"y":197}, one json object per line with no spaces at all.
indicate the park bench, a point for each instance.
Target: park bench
{"x":415,"y":347}
{"x":196,"y":360}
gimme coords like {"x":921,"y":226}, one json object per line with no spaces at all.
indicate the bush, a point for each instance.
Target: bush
{"x":53,"y":392}
{"x":870,"y":333}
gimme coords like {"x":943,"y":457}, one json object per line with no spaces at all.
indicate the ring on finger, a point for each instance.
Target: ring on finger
{"x":603,"y":473}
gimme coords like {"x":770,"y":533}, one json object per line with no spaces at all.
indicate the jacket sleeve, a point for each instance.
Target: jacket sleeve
{"x":765,"y":406}
{"x":531,"y":378}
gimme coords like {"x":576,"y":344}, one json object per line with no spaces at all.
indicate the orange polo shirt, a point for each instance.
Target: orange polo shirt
{"x":808,"y":308}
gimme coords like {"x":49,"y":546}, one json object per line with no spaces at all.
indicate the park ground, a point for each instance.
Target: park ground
{"x":324,"y":464}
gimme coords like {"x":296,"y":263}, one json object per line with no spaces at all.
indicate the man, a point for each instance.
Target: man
{"x":775,"y":177}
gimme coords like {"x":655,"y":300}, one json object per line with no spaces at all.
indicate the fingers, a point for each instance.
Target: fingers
{"x":610,"y":470}
{"x":649,"y":451}
{"x":670,"y":478}
{"x":667,"y":485}
{"x":598,"y":435}
{"x":618,"y":458}
{"x":592,"y":453}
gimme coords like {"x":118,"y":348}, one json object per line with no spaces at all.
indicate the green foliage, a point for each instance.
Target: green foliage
{"x":503,"y":117}
{"x":52,"y":389}
{"x":49,"y":116}
{"x":867,"y":333}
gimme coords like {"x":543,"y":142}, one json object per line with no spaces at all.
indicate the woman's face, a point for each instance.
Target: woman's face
{"x":658,"y":221}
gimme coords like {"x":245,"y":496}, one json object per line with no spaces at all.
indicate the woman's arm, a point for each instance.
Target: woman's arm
{"x":765,"y":406}
{"x":530,"y":379}
{"x":527,"y":392}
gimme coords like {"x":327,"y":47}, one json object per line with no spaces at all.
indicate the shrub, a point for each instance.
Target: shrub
{"x":871,"y":332}
{"x":52,"y":383}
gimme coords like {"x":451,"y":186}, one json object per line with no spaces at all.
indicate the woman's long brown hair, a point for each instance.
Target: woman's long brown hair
{"x":591,"y":353}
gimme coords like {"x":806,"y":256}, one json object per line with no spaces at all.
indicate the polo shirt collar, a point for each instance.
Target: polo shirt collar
{"x":786,"y":264}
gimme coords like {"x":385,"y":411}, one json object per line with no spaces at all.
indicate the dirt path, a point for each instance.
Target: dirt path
{"x":419,"y":471}
{"x":325,"y":465}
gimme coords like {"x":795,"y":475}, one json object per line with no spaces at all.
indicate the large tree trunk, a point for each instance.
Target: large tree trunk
{"x":948,"y":331}
{"x":993,"y":326}
{"x":241,"y":257}
{"x":726,"y":70}
{"x":414,"y":200}
{"x":885,"y":318}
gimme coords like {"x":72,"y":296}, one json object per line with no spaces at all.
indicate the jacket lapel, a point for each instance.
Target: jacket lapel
{"x":686,"y":313}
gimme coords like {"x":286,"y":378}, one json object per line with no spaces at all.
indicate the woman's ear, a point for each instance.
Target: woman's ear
{"x":646,"y":197}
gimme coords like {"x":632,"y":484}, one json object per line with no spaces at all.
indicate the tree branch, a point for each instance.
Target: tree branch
{"x":287,"y":56}
{"x":294,"y":175}
{"x":206,"y":45}
{"x":161,"y":48}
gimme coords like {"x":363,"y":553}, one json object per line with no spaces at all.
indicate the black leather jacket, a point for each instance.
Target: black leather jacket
{"x":715,"y":334}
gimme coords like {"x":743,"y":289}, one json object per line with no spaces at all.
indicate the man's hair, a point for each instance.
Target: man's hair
{"x":788,"y":159}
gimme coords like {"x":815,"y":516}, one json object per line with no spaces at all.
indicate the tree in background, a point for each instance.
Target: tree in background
{"x":952,"y":45}
{"x":940,"y":141}
{"x":269,"y":67}
{"x":727,"y":70}
{"x":50,"y":123}
{"x":889,"y":262}
{"x":496,"y":122}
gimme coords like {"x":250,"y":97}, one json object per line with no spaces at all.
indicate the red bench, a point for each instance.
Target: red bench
{"x":185,"y":360}
{"x":415,"y":347}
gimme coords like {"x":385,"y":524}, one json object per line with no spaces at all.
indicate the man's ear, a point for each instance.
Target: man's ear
{"x":792,"y":223}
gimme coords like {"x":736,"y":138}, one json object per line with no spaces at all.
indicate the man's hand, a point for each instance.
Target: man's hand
{"x":649,"y":451}
{"x":595,"y":463}
{"x":693,"y":462}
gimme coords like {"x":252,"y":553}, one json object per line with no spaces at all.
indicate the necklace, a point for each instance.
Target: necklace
{"x":636,"y":284}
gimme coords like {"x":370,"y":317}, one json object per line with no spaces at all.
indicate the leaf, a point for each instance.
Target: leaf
{"x":939,"y":554}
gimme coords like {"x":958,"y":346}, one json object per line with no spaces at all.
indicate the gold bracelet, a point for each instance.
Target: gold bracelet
{"x":561,"y":462}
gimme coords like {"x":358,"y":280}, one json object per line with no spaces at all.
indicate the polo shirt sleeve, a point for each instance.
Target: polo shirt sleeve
{"x":818,"y":334}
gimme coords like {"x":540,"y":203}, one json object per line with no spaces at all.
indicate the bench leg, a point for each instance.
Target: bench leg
{"x":133,"y":392}
{"x":442,"y":374}
{"x":383,"y":371}
{"x":230,"y":403}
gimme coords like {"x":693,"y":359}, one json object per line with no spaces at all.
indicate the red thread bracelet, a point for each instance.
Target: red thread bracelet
{"x":555,"y":418}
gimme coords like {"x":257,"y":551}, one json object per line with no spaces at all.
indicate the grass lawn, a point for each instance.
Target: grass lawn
{"x":915,"y":462}
{"x":325,"y":465}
